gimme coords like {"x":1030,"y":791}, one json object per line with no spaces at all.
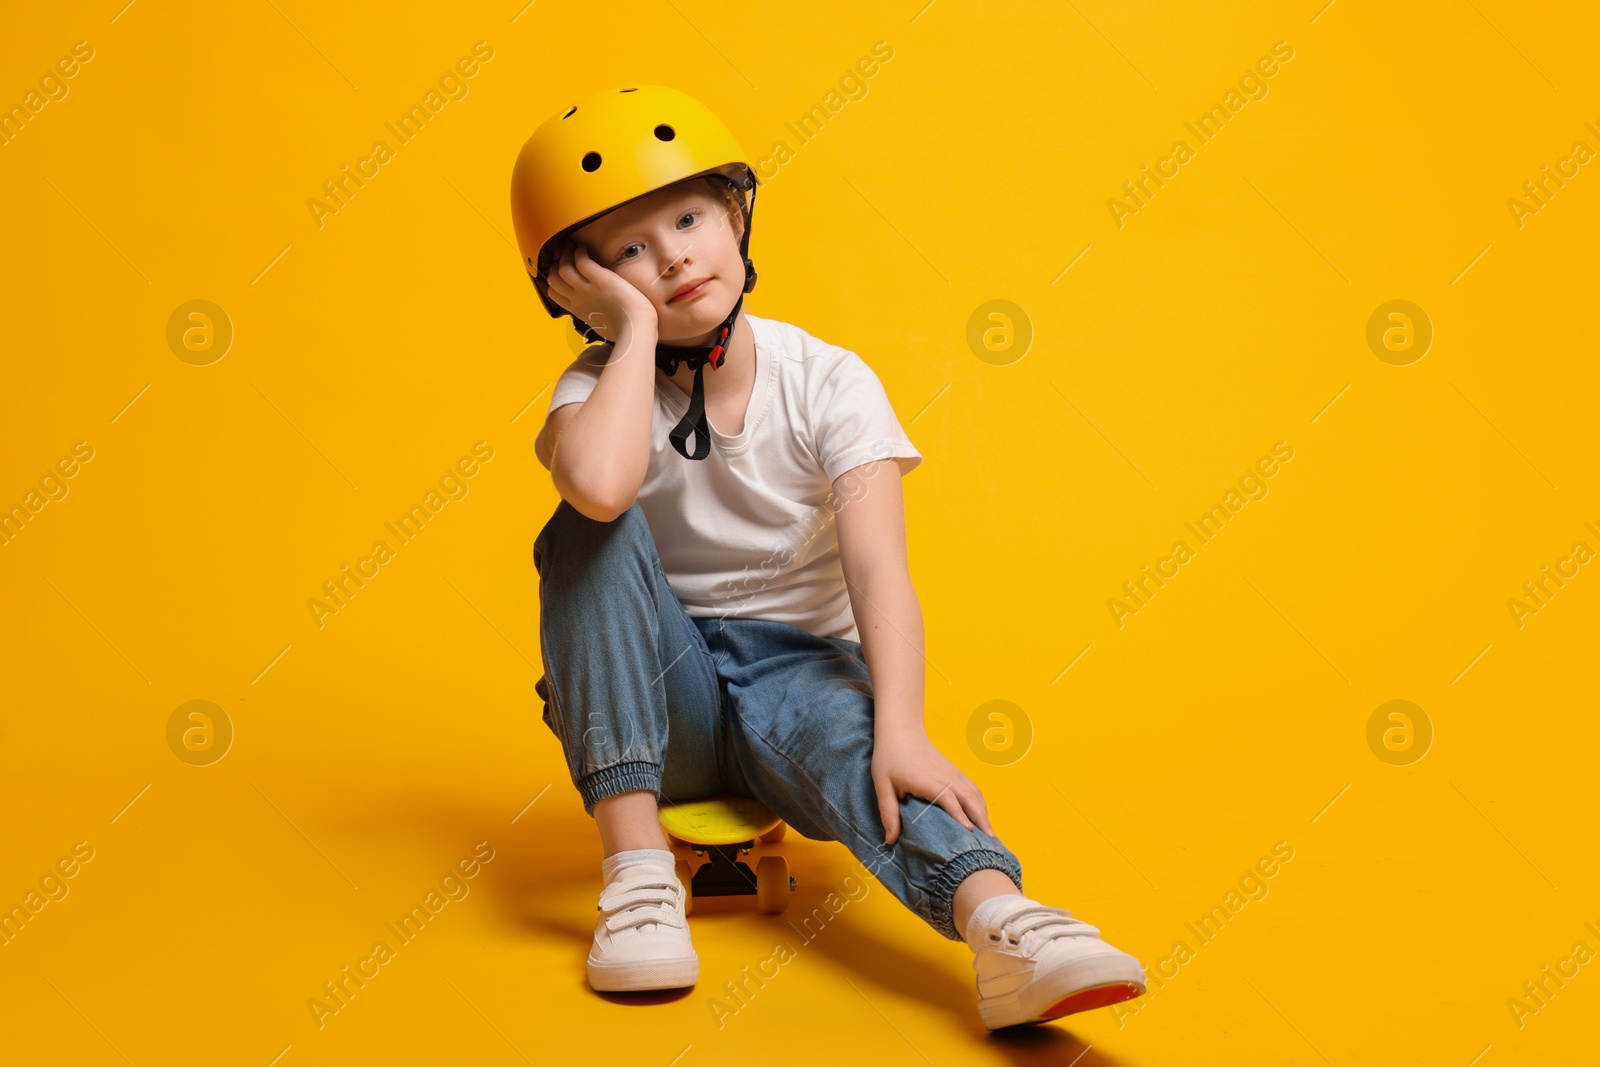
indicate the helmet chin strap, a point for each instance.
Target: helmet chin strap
{"x":695,"y":357}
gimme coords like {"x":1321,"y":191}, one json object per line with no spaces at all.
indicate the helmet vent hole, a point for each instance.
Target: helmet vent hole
{"x":665,"y":132}
{"x":568,"y":115}
{"x":627,"y":90}
{"x":591,"y":162}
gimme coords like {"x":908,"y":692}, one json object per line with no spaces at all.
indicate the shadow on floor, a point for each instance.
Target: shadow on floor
{"x":549,"y":855}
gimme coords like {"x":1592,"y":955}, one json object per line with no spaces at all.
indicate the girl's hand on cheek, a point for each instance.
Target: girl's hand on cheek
{"x":600,"y":297}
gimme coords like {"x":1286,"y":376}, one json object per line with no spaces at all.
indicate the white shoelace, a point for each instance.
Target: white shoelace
{"x":642,"y":894}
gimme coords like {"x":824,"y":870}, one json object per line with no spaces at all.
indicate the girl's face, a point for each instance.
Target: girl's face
{"x":668,"y":240}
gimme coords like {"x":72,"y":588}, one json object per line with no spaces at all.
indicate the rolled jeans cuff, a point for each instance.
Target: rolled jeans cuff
{"x":947,"y":880}
{"x":619,"y":778}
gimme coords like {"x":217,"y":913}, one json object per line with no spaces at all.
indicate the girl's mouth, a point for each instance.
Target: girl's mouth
{"x":698,"y":290}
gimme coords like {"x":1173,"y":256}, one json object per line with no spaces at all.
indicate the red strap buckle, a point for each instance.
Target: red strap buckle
{"x":717,"y":351}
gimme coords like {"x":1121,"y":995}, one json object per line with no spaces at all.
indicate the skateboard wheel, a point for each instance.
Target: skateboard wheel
{"x":772,"y":884}
{"x":686,"y":876}
{"x":774,"y":835}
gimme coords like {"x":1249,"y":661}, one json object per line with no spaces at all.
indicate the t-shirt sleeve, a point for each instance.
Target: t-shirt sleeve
{"x":852,"y":420}
{"x":581,"y":376}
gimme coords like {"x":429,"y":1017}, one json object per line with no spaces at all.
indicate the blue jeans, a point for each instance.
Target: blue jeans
{"x":642,"y":695}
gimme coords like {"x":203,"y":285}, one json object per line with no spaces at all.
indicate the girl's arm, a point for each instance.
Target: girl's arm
{"x":872,"y":553}
{"x":601,"y":452}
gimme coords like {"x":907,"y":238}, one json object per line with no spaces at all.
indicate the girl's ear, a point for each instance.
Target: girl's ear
{"x":728,"y":200}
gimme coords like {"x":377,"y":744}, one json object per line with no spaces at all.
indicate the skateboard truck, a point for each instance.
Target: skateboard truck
{"x":723,"y":828}
{"x":726,"y":875}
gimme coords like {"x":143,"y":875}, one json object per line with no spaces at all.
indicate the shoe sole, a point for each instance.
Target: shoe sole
{"x":647,"y":974}
{"x":1099,"y":996}
{"x":1110,"y":979}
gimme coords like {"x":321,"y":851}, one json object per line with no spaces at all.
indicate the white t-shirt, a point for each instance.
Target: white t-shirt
{"x":748,"y":532}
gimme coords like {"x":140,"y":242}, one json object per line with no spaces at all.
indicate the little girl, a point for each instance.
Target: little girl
{"x":735,"y":614}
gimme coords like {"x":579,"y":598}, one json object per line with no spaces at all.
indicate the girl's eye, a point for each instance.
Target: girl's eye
{"x":693,"y":215}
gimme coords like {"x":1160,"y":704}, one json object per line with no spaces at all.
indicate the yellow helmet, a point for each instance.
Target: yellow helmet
{"x":608,"y":149}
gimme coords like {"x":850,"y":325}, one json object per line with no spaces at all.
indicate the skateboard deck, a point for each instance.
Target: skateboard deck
{"x":724,"y":819}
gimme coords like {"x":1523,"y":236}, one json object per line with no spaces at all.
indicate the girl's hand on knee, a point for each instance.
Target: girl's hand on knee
{"x":912,"y":765}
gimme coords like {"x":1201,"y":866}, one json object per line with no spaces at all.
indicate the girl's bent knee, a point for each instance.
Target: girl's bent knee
{"x":570,"y":530}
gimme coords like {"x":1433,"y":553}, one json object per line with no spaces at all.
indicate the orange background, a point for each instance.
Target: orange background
{"x":370,"y":755}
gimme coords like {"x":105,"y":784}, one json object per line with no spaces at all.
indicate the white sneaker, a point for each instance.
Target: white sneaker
{"x":1035,"y":963}
{"x":641,"y":940}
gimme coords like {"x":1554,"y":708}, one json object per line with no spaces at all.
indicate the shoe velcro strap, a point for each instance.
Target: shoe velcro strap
{"x":640,"y":900}
{"x":616,"y":896}
{"x":1052,"y":922}
{"x":638,"y":917}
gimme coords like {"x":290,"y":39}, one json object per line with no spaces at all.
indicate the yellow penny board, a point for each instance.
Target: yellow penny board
{"x":724,"y":819}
